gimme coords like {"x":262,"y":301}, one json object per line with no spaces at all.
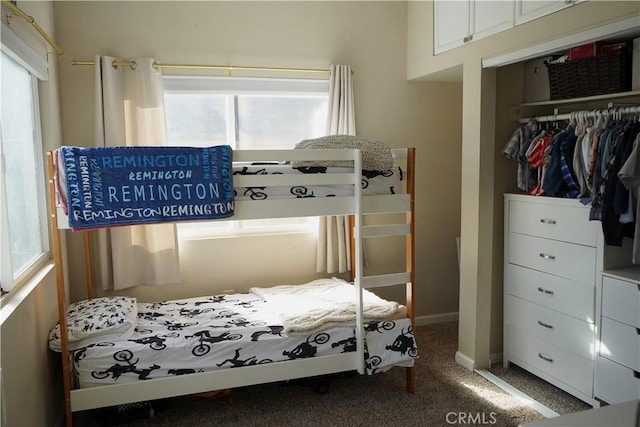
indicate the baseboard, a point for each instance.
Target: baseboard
{"x":465,"y":361}
{"x":437,"y":318}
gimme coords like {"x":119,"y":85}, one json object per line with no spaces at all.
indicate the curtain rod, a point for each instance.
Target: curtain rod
{"x":229,"y":68}
{"x":567,"y":116}
{"x":15,"y":9}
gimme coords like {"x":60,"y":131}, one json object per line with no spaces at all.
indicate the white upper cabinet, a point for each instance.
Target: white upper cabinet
{"x":491,"y":17}
{"x":528,"y":10}
{"x":452,"y":24}
{"x":459,"y":22}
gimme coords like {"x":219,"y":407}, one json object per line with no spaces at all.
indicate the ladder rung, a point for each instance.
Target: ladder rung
{"x":385,"y":280}
{"x":385,"y":230}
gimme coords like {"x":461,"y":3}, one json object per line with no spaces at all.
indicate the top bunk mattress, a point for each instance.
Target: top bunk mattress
{"x":389,"y":181}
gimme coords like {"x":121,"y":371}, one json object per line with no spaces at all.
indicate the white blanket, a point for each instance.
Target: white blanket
{"x":323,"y":304}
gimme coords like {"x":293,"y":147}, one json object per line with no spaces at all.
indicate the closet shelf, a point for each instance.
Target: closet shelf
{"x":631,"y":96}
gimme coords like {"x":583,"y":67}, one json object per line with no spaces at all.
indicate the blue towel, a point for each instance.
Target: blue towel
{"x":113,"y":186}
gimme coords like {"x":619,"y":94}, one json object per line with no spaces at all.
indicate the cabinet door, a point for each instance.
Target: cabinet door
{"x":528,"y":10}
{"x":451,"y":24}
{"x":491,"y":17}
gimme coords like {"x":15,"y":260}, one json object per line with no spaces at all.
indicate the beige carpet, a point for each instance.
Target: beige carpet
{"x":446,"y":395}
{"x":540,"y":390}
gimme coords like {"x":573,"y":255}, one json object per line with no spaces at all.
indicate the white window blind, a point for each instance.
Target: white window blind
{"x":245,"y":113}
{"x":23,"y":226}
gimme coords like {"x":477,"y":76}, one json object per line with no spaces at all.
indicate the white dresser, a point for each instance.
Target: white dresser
{"x":552,"y":257}
{"x":618,"y":363}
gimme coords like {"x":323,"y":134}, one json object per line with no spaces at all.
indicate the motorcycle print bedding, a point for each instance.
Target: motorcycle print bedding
{"x":373,"y":182}
{"x":225,"y":331}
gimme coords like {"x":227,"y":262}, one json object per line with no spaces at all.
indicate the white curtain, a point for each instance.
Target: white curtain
{"x":130,"y":111}
{"x":334,"y":246}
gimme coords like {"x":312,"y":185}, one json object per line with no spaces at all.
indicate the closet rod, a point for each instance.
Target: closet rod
{"x":567,"y":116}
{"x":229,"y":68}
{"x":15,"y":9}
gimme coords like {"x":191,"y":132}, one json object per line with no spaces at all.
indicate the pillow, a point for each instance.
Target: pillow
{"x":97,"y":320}
{"x":376,"y":156}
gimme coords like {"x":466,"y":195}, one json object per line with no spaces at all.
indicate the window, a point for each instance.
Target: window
{"x":245,"y":114}
{"x":23,"y":226}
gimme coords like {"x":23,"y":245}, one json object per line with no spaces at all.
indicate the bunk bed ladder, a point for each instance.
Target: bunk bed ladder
{"x":406,"y":229}
{"x":358,"y":263}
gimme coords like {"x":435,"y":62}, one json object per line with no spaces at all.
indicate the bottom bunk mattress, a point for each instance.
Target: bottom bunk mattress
{"x":138,"y":341}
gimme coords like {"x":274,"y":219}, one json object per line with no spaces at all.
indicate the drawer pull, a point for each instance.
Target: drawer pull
{"x":546,"y":291}
{"x":546,"y":325}
{"x":636,"y":374}
{"x":548,"y":221}
{"x":545,"y":358}
{"x":547,"y":256}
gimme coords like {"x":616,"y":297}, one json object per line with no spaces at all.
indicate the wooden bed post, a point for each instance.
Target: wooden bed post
{"x":87,"y":265}
{"x":62,"y":300}
{"x":410,"y":255}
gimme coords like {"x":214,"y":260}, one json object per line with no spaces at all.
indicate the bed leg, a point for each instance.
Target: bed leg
{"x":411,"y":380}
{"x":68,"y":414}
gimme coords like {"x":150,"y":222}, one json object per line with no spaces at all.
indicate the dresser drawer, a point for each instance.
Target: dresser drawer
{"x":573,"y":298}
{"x":565,"y":366}
{"x":615,"y":383}
{"x":621,"y":301}
{"x":565,"y":223}
{"x":567,"y":332}
{"x":568,"y":260}
{"x":620,"y":343}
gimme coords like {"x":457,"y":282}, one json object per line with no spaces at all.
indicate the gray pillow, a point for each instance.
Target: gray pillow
{"x":376,"y":156}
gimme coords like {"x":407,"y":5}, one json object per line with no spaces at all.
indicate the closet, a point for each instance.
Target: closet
{"x":571,"y":300}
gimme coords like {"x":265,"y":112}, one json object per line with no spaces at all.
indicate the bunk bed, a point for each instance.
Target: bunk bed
{"x":100,"y":387}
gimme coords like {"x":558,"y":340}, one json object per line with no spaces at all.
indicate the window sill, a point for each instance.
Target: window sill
{"x":13,"y":299}
{"x":246,"y":235}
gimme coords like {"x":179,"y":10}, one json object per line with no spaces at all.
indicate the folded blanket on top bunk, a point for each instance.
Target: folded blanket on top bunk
{"x":323,"y":304}
{"x":111,"y":186}
{"x":376,"y":155}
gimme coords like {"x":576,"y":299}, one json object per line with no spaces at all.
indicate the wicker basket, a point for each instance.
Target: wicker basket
{"x":597,"y":75}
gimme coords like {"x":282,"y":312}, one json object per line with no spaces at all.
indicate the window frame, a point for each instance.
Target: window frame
{"x":17,"y":51}
{"x":233,"y":87}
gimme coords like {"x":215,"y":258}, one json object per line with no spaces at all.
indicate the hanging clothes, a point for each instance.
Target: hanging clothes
{"x":604,"y":159}
{"x":629,"y":175}
{"x":559,"y":177}
{"x":537,"y":158}
{"x":614,"y":230}
{"x":596,"y":158}
{"x":516,"y":149}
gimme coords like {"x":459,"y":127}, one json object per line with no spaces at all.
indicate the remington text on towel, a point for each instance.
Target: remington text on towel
{"x":139,"y":185}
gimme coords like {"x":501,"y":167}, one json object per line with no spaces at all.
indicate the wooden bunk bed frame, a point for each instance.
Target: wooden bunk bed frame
{"x":355,"y":206}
